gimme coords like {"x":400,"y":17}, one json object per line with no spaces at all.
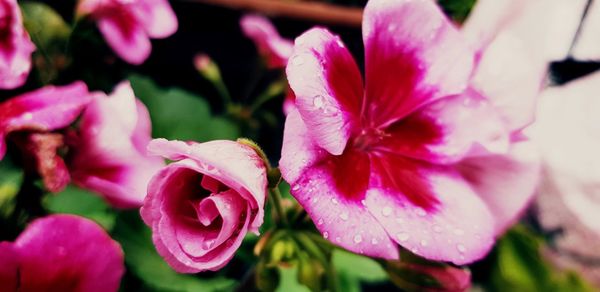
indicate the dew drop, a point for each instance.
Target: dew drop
{"x":357,"y":238}
{"x":325,"y":234}
{"x":374,"y":241}
{"x":334,"y":201}
{"x":320,"y":222}
{"x":318,"y":101}
{"x":423,"y":242}
{"x":461,"y":248}
{"x":344,"y":216}
{"x":363,"y":202}
{"x":386,"y":211}
{"x":338,"y":239}
{"x":420,"y":212}
{"x":403,"y":236}
{"x":399,"y":220}
{"x":297,"y":60}
{"x":28,"y":116}
{"x":296,"y":187}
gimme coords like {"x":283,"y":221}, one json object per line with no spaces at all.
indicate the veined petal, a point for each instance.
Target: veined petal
{"x":328,"y":88}
{"x":506,"y":183}
{"x":413,"y":55}
{"x":447,"y":130}
{"x":454,"y":227}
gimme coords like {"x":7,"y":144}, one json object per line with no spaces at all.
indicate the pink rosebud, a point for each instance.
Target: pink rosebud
{"x":390,"y":163}
{"x":61,"y":253}
{"x":128,"y":25}
{"x":33,"y":115}
{"x":568,"y":134}
{"x":15,"y":46}
{"x":109,"y":150}
{"x":201,"y":206}
{"x":275,"y":49}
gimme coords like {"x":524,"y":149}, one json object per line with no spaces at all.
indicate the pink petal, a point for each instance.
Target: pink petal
{"x":125,"y":35}
{"x":506,"y":183}
{"x":328,"y":88}
{"x":342,"y":220}
{"x":68,"y":253}
{"x":9,"y":267}
{"x":270,"y":44}
{"x":15,"y":47}
{"x":157,"y":17}
{"x":40,"y":151}
{"x":413,"y":55}
{"x":235,"y":165}
{"x":109,"y":155}
{"x":45,"y":109}
{"x":431,"y":212}
{"x":447,"y":130}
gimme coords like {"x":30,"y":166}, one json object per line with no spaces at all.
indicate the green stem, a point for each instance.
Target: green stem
{"x":223,"y":92}
{"x":275,"y":196}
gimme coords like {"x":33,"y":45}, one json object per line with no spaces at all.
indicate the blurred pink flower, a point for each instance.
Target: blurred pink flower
{"x":61,"y":253}
{"x":15,"y":46}
{"x":423,"y":155}
{"x":201,"y":206}
{"x":108,"y":153}
{"x":275,"y":49}
{"x":128,"y":25}
{"x":34,"y":115}
{"x":567,"y":131}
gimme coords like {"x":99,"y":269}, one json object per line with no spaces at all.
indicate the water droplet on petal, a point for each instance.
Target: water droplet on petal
{"x":318,"y":101}
{"x":357,"y":238}
{"x":320,"y":222}
{"x":374,"y":241}
{"x":423,"y":242}
{"x":296,"y":187}
{"x":386,"y":211}
{"x":461,"y":248}
{"x":399,"y":220}
{"x":338,"y":239}
{"x":297,"y":60}
{"x":420,"y":212}
{"x":28,"y":116}
{"x":403,"y":236}
{"x":334,"y":201}
{"x":325,"y":234}
{"x":344,"y":216}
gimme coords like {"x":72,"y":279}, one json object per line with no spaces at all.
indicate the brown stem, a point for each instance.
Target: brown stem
{"x":312,"y":11}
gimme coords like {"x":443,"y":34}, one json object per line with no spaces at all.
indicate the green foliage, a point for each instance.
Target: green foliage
{"x":11,"y":178}
{"x":181,"y":115}
{"x":144,"y":262}
{"x":74,"y":200}
{"x":353,"y":269}
{"x":457,"y":9}
{"x":519,"y":266}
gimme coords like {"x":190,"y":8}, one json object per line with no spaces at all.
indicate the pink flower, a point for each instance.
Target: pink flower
{"x":15,"y":46}
{"x":32,"y":116}
{"x":275,"y":49}
{"x":109,"y":150}
{"x":567,"y":131}
{"x":201,"y":206}
{"x":128,"y":25}
{"x":61,"y":253}
{"x":404,"y":160}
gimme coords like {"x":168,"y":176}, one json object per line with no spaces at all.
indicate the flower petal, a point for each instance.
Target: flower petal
{"x":125,"y":36}
{"x":9,"y":267}
{"x":40,"y":152}
{"x":68,"y":253}
{"x":157,"y":17}
{"x":413,"y":55}
{"x":15,"y":47}
{"x":447,"y":130}
{"x":455,"y":227}
{"x":275,"y":49}
{"x":45,"y":109}
{"x":328,"y":88}
{"x":506,"y":183}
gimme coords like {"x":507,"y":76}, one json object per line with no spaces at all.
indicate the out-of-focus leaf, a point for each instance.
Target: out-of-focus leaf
{"x":144,"y":262}
{"x":289,"y":281}
{"x":50,"y":34}
{"x":74,"y":200}
{"x":10,"y":179}
{"x":519,"y":266}
{"x":181,"y":115}
{"x":457,"y":9}
{"x":352,"y":269}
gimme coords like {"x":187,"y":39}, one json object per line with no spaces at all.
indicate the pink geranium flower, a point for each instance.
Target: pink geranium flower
{"x":128,"y":25}
{"x":32,"y":116}
{"x":419,"y":156}
{"x":201,"y":206}
{"x":108,"y":153}
{"x":15,"y":46}
{"x":275,"y":49}
{"x":61,"y":253}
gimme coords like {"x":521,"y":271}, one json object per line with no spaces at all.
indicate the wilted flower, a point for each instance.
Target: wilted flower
{"x":128,"y":25}
{"x":61,"y":253}
{"x":33,"y":115}
{"x":108,"y":152}
{"x":406,"y":159}
{"x":201,"y":206}
{"x":15,"y":46}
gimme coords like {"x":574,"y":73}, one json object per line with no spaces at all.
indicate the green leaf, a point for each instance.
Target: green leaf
{"x":289,"y":281}
{"x":346,"y":263}
{"x":11,"y":178}
{"x":457,"y":9}
{"x":145,"y":263}
{"x":181,"y":115}
{"x":74,"y":200}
